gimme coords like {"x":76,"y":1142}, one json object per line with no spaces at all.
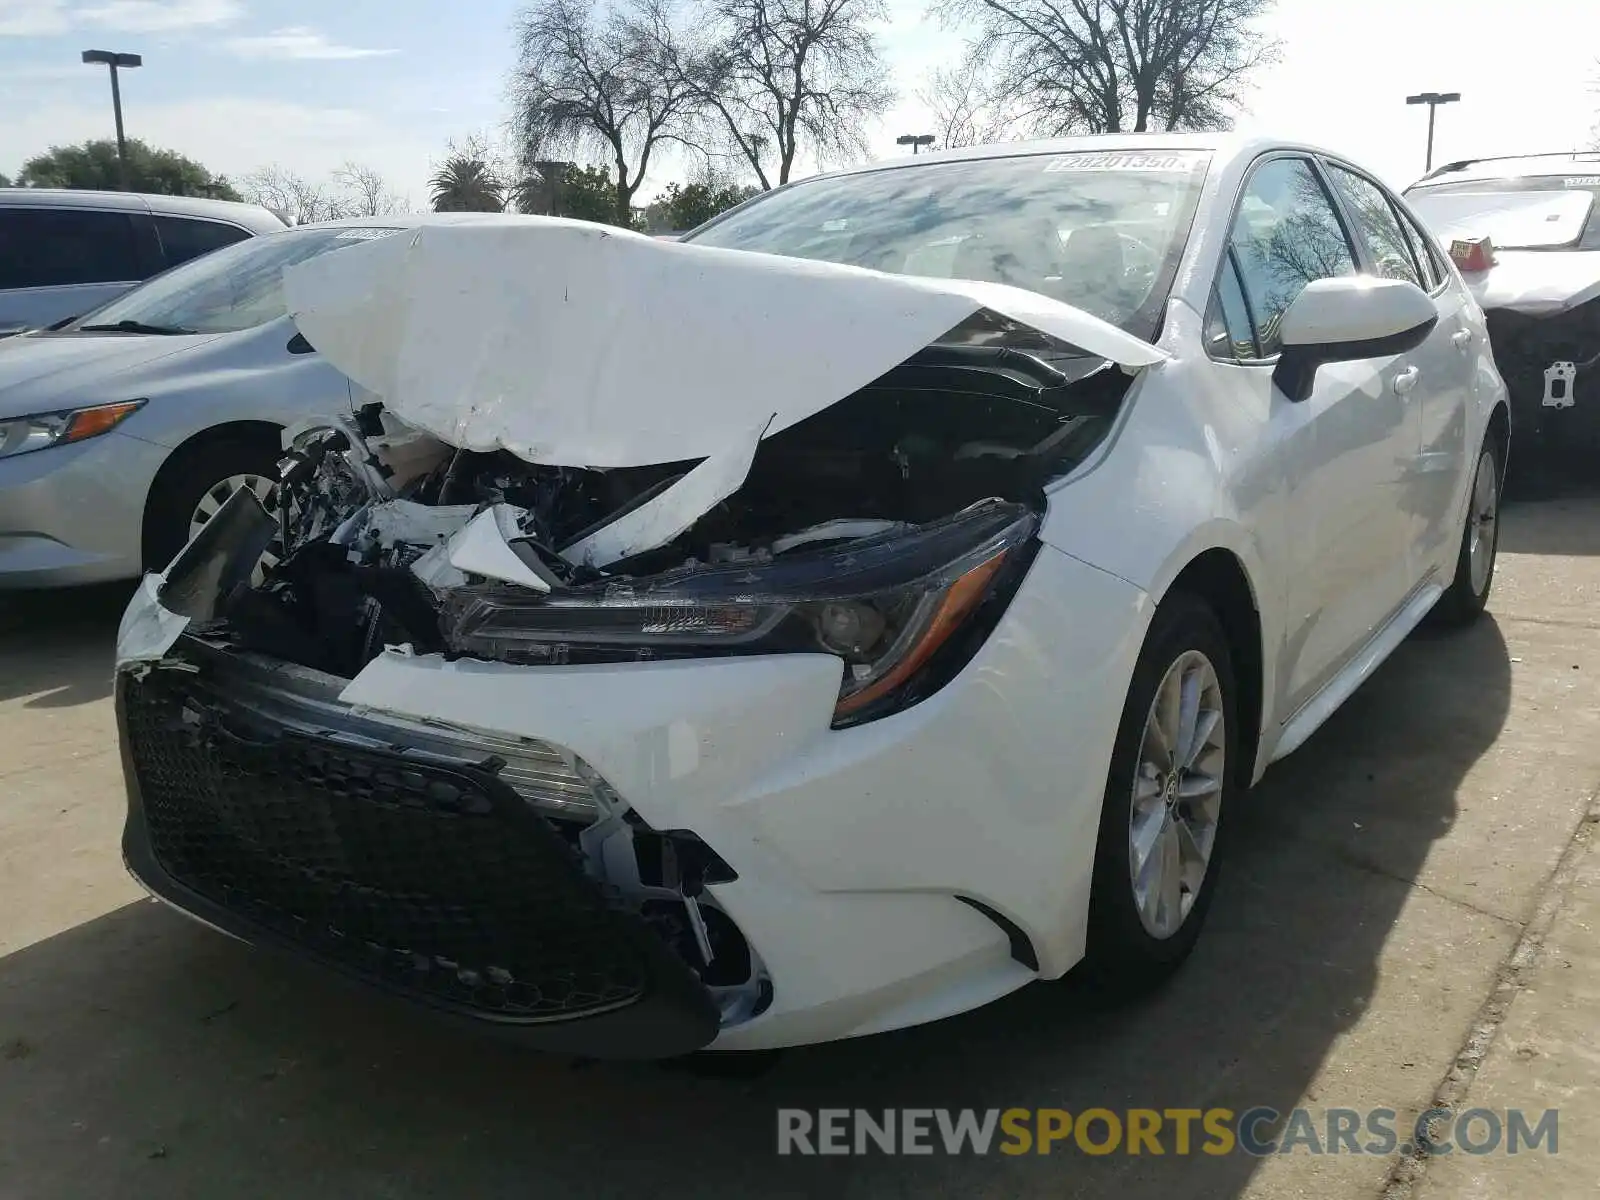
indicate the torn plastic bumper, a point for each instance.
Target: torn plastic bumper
{"x":423,"y":871}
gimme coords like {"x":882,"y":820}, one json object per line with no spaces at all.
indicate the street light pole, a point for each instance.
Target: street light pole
{"x":914,"y":140}
{"x":1433,"y":100}
{"x":114,"y":60}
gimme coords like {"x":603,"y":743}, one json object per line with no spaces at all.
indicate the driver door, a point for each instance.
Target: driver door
{"x":1333,"y":465}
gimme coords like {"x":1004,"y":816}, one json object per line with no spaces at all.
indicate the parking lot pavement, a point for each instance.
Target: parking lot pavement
{"x":1380,"y":880}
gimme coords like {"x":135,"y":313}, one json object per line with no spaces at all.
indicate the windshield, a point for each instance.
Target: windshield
{"x":1099,"y":231}
{"x":1515,"y":214}
{"x":237,"y":287}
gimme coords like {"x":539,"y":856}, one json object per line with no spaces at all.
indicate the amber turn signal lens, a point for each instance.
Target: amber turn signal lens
{"x":90,"y":422}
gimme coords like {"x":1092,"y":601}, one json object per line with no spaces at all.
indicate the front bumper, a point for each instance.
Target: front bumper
{"x":74,"y":514}
{"x":885,"y":875}
{"x":426,"y":877}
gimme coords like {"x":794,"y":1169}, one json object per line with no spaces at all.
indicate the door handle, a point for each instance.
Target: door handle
{"x":1461,"y":339}
{"x":1406,"y":380}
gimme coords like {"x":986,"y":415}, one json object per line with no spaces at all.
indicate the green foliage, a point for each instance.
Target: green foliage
{"x":94,"y":165}
{"x":464,"y":183}
{"x":685,"y":206}
{"x":588,"y":194}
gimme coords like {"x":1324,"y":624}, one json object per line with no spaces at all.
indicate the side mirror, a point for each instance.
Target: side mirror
{"x":299,"y":345}
{"x":1353,"y":317}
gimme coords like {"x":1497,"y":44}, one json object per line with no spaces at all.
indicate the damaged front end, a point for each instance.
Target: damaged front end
{"x":496,"y":875}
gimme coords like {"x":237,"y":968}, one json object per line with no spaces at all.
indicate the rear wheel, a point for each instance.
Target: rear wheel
{"x":1464,"y":601}
{"x":194,"y":486}
{"x":1161,"y":825}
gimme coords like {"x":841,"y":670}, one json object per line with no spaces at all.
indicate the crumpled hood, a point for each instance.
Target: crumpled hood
{"x":43,"y":373}
{"x":576,"y":344}
{"x":1538,"y":282}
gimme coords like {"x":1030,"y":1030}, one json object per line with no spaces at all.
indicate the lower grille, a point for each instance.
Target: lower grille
{"x":424,"y":874}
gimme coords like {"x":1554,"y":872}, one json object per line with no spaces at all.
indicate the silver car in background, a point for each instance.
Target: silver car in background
{"x":123,"y":431}
{"x":64,"y":252}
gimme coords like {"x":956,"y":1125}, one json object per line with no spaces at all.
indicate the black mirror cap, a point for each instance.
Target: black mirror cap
{"x":299,"y":345}
{"x":1297,"y":367}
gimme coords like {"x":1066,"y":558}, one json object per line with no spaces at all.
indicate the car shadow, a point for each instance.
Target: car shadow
{"x":58,"y":646}
{"x":145,"y":1055}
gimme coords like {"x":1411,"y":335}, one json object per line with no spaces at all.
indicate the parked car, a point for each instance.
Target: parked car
{"x":698,"y":647}
{"x":121,"y":431}
{"x":63,"y":252}
{"x":1539,"y":284}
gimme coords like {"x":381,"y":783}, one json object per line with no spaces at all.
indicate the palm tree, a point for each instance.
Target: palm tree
{"x":464,"y":183}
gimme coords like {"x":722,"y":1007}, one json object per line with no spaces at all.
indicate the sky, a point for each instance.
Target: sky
{"x":239,"y":84}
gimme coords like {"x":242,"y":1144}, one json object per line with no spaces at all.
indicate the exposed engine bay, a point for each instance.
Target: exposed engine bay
{"x":887,"y":530}
{"x":387,"y":536}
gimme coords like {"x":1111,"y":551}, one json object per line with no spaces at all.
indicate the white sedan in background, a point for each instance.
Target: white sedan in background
{"x":700,"y":647}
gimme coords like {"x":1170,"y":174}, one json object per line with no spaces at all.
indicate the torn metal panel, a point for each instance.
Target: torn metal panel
{"x":568,"y":343}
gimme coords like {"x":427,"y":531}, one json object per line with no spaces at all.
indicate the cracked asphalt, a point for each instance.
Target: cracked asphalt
{"x":1379,"y":941}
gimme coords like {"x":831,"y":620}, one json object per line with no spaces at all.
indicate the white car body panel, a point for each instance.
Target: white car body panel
{"x":548,"y":337}
{"x":854,"y":847}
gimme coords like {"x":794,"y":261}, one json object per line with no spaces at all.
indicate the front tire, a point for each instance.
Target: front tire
{"x":1168,"y":790}
{"x":1464,"y":601}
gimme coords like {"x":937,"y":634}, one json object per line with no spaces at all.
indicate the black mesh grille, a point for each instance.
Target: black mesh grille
{"x":432,"y":878}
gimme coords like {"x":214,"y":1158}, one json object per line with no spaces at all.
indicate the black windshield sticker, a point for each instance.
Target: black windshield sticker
{"x":1122,"y":161}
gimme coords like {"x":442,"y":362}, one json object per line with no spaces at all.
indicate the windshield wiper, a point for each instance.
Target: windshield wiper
{"x":133,"y":327}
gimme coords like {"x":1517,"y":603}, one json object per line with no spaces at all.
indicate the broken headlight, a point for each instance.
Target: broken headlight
{"x":893,"y":607}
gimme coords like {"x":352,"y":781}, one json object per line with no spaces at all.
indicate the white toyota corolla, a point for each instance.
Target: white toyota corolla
{"x":828,"y":623}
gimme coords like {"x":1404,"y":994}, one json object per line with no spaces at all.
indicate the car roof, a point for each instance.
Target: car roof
{"x":1513,"y":166}
{"x":251,"y":216}
{"x":1224,"y":148}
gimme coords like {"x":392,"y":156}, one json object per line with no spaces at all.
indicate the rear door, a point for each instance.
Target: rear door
{"x":1435,"y":379}
{"x":1339,"y":534}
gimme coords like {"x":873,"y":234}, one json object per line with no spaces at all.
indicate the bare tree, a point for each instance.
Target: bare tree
{"x":368,"y":192}
{"x":966,"y":109}
{"x":294,"y":198}
{"x":790,"y":72}
{"x":594,"y":75}
{"x":1112,"y":66}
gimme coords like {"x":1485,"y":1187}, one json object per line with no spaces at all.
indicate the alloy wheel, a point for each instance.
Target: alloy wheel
{"x":1177,"y":794}
{"x":1481,"y":519}
{"x":217,"y":495}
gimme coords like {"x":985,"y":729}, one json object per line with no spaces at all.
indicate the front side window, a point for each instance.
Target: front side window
{"x":1286,"y":235}
{"x":61,"y":247}
{"x":1377,"y":224}
{"x":183,"y":238}
{"x":1100,"y":231}
{"x":237,"y":287}
{"x":1230,"y":334}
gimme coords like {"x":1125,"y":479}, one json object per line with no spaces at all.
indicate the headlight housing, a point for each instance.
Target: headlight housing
{"x":21,"y":435}
{"x":890,"y":606}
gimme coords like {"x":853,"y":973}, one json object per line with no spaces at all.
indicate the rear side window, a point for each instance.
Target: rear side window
{"x":1287,"y":234}
{"x":57,"y":247}
{"x":1427,"y":251}
{"x":183,"y":238}
{"x":1378,"y":226}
